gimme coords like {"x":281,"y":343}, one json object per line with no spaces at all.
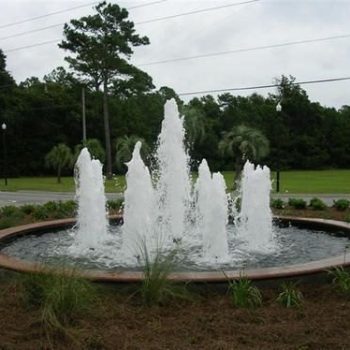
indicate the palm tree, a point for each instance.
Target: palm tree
{"x":125,"y":146}
{"x":59,"y":158}
{"x":243,"y":143}
{"x":95,"y":148}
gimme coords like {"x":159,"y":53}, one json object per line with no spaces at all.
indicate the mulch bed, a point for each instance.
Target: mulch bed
{"x":210,"y":322}
{"x":119,"y":321}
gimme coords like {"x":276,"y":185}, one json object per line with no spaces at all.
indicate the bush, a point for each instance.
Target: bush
{"x":317,"y":204}
{"x":297,"y":203}
{"x":10,"y":216}
{"x":40,"y":212}
{"x":114,"y":204}
{"x":244,"y":294}
{"x":341,"y":204}
{"x":9,"y":210}
{"x":27,"y":209}
{"x":277,"y":203}
{"x":290,"y":296}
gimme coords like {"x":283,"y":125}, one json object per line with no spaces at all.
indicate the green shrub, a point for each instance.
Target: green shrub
{"x":40,"y":212}
{"x":60,"y":295}
{"x":277,"y":203}
{"x":114,"y":204}
{"x":51,"y":207}
{"x":290,"y":296}
{"x":10,"y":216}
{"x":341,"y":204}
{"x":341,"y":279}
{"x":9,"y":210}
{"x":317,"y":204}
{"x":244,"y":294}
{"x":28,"y":209}
{"x":297,"y":203}
{"x":7,"y":222}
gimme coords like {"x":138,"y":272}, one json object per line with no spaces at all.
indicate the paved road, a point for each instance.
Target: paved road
{"x":38,"y":197}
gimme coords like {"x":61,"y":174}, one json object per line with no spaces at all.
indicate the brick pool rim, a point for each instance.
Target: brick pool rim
{"x":257,"y":274}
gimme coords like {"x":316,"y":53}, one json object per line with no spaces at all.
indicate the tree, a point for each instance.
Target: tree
{"x":59,"y":158}
{"x":125,"y":146}
{"x":194,"y":124}
{"x":94,"y":147}
{"x":102,"y":45}
{"x":5,"y":76}
{"x":244,"y":143}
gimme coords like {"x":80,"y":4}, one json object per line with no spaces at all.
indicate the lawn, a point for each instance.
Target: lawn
{"x":117,"y":184}
{"x":311,"y":181}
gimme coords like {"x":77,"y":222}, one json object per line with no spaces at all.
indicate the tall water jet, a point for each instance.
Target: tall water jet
{"x":212,"y":213}
{"x":255,"y":219}
{"x":173,"y":187}
{"x":139,"y":205}
{"x":92,"y":223}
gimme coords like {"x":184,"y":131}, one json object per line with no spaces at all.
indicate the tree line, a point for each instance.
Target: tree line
{"x":122,"y":106}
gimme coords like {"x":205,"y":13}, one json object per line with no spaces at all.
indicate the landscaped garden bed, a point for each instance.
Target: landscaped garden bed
{"x":56,"y":311}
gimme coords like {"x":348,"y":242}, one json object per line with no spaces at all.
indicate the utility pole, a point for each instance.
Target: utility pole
{"x":83,"y":114}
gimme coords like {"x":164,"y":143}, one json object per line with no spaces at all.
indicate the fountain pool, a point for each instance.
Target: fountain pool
{"x":166,"y":210}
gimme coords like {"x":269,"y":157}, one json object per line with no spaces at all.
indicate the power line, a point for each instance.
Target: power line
{"x":196,"y":11}
{"x":46,"y":15}
{"x":266,"y":86}
{"x":228,"y":52}
{"x":138,"y":23}
{"x":33,"y":45}
{"x":210,"y":54}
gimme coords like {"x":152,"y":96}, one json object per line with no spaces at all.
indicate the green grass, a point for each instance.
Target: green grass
{"x":315,"y":181}
{"x":303,"y":181}
{"x":50,"y":184}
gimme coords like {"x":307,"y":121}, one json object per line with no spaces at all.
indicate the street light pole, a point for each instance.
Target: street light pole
{"x":3,"y":127}
{"x":278,"y":110}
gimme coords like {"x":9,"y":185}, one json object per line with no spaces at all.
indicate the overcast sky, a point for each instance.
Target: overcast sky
{"x":259,"y":23}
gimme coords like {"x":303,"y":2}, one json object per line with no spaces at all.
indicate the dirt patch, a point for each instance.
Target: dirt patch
{"x":210,"y":322}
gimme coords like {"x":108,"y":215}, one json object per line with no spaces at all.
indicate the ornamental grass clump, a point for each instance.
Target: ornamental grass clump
{"x":341,"y":279}
{"x":156,"y":287}
{"x":290,"y":295}
{"x":60,"y":295}
{"x":243,"y":294}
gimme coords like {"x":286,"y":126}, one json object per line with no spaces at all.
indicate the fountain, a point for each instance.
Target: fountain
{"x":166,"y":210}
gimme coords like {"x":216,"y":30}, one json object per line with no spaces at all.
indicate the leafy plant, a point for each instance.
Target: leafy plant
{"x":297,"y":203}
{"x":341,"y":204}
{"x":114,"y":204}
{"x":317,"y":204}
{"x":10,"y":216}
{"x":290,"y":295}
{"x":8,"y":210}
{"x":277,"y":203}
{"x":341,"y":279}
{"x":243,"y":293}
{"x":27,"y":209}
{"x":156,"y":288}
